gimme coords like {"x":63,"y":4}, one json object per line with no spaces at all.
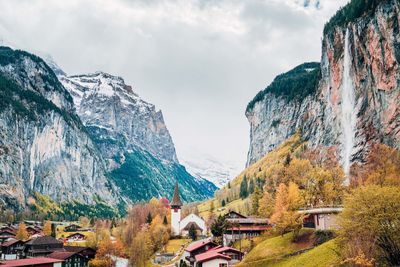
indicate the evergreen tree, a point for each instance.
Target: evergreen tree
{"x":219,"y":226}
{"x":223,"y":203}
{"x":165,"y":222}
{"x":229,"y":185}
{"x":244,"y":188}
{"x":149,"y":218}
{"x":251,"y":186}
{"x":257,"y":195}
{"x":192,"y":232}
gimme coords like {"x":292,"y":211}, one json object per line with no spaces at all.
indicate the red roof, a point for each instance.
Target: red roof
{"x":29,"y":262}
{"x":199,"y":244}
{"x":220,"y":249}
{"x":249,"y":228}
{"x":209,"y":255}
{"x":10,"y":242}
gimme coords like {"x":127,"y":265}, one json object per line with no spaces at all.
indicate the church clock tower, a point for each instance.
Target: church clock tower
{"x":176,"y":205}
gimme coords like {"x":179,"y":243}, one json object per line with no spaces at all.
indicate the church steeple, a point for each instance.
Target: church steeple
{"x":176,"y":199}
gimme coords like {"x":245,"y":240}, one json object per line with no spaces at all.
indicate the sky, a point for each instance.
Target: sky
{"x":199,"y":61}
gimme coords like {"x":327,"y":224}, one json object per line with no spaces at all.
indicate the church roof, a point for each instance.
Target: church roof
{"x":176,"y":199}
{"x":195,"y":225}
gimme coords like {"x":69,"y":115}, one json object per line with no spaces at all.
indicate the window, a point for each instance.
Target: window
{"x":223,"y":265}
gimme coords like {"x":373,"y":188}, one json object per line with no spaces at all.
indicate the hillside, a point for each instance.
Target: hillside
{"x":281,"y":251}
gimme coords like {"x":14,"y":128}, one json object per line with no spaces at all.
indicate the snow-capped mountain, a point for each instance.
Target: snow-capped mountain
{"x":215,"y":170}
{"x":112,"y":110}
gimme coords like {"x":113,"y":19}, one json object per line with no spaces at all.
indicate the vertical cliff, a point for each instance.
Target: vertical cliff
{"x":371,"y":72}
{"x":43,"y":144}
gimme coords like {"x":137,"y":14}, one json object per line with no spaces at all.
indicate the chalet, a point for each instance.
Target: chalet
{"x":212,"y":259}
{"x":243,"y":227}
{"x":72,"y":228}
{"x":321,"y":218}
{"x":12,"y":249}
{"x":195,"y":248}
{"x":70,"y":259}
{"x":5,"y":235}
{"x":34,"y":230}
{"x":76,"y":237}
{"x":36,"y":262}
{"x":86,"y":252}
{"x":42,"y":246}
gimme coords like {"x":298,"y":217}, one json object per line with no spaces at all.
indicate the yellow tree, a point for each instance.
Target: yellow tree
{"x":266,"y":205}
{"x":370,"y":225}
{"x":141,"y":248}
{"x":286,"y":217}
{"x":22,"y":233}
{"x":47,"y":228}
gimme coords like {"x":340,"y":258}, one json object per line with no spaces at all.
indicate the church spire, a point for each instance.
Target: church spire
{"x":176,"y":199}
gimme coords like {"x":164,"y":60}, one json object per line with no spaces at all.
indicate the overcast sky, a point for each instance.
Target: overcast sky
{"x":198,"y":61}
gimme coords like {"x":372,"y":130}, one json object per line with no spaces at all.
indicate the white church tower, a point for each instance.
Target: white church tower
{"x":176,"y":205}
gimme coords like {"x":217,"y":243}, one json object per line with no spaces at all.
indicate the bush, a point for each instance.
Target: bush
{"x":323,"y":236}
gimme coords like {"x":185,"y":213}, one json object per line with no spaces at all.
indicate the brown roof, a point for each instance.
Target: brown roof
{"x":43,"y":240}
{"x":61,"y":255}
{"x":196,"y":226}
{"x":176,"y":199}
{"x":77,"y":248}
{"x":10,"y":242}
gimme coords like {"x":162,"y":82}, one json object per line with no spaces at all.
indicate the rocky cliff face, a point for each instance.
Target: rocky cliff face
{"x":365,"y":85}
{"x":43,"y":146}
{"x":117,"y":117}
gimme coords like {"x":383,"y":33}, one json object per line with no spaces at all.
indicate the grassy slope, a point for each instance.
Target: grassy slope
{"x":323,"y":255}
{"x":275,"y":252}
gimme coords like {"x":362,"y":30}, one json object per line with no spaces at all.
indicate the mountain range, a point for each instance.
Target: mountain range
{"x":82,"y":138}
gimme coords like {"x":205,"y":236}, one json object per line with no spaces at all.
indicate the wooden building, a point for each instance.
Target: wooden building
{"x":12,"y":249}
{"x":321,"y":218}
{"x":70,"y":259}
{"x":42,"y":246}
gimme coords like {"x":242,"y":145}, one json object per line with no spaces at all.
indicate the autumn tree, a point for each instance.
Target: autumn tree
{"x":141,"y":248}
{"x":255,"y":199}
{"x":370,"y":224}
{"x":286,"y":216}
{"x":22,"y":233}
{"x":266,"y":205}
{"x":47,"y":231}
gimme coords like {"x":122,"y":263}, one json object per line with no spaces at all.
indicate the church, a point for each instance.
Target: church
{"x":181,"y":226}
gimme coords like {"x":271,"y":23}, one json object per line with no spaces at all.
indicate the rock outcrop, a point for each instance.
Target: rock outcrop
{"x":374,"y":51}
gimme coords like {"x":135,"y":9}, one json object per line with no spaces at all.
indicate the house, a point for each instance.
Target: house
{"x":12,"y":249}
{"x":6,"y":233}
{"x":36,"y":262}
{"x":85,"y":252}
{"x":218,"y":256}
{"x":196,"y":248}
{"x":34,"y":230}
{"x":321,"y":218}
{"x":76,"y":237}
{"x":243,"y":227}
{"x":70,"y":259}
{"x":212,"y":259}
{"x":179,"y":225}
{"x":42,"y":246}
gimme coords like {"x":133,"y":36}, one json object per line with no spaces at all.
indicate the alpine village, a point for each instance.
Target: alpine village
{"x":89,"y":175}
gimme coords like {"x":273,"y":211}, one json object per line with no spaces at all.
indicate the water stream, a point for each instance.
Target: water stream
{"x":348,"y":118}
